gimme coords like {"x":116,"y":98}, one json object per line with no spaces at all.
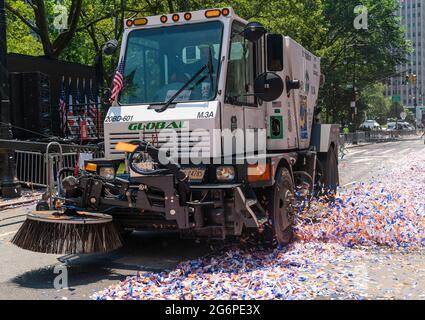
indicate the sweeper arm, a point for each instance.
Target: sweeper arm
{"x":163,"y":191}
{"x":140,"y":146}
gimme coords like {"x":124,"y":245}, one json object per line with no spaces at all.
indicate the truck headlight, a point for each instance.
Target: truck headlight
{"x":225,"y":173}
{"x":107,"y":172}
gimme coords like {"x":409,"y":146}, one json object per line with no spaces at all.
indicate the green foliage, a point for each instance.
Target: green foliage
{"x":324,"y":27}
{"x":379,"y":50}
{"x":378,"y":106}
{"x":20,"y":39}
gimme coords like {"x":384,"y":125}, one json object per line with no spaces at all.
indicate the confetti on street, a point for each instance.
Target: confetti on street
{"x":387,"y":212}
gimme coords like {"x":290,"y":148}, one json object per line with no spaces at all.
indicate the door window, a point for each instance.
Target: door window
{"x":240,"y":70}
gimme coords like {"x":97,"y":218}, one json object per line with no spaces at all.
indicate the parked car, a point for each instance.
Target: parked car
{"x":401,"y":126}
{"x":370,"y":125}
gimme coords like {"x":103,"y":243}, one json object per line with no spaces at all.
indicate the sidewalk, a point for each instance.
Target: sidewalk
{"x":28,"y":197}
{"x":402,"y":138}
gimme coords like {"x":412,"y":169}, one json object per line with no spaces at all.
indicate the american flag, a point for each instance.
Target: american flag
{"x":79,"y":100}
{"x":118,"y":82}
{"x":93,"y":107}
{"x":62,"y":108}
{"x":70,"y":98}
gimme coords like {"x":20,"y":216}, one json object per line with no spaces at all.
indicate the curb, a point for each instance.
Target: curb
{"x":16,"y":203}
{"x":353,"y":146}
{"x":378,"y":142}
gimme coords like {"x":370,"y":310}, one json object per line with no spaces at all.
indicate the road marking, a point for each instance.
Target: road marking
{"x":352,"y":152}
{"x":363,"y":159}
{"x":388,"y":151}
{"x":349,"y":184}
{"x":7,"y":234}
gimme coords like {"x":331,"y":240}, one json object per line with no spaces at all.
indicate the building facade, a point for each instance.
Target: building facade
{"x":412,"y":13}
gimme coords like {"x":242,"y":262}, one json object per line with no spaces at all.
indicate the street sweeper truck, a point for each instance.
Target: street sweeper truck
{"x":212,"y":132}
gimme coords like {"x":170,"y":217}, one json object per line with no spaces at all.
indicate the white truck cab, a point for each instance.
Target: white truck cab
{"x":193,"y":81}
{"x":161,"y":53}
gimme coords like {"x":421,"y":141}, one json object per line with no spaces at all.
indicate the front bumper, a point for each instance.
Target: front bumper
{"x":155,"y":202}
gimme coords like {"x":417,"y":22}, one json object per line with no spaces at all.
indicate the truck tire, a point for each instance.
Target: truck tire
{"x":280,"y":207}
{"x":330,"y":173}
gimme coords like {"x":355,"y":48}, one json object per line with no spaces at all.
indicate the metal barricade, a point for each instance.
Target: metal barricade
{"x":32,"y":167}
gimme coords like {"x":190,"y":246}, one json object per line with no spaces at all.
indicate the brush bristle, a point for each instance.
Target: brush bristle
{"x":62,"y":238}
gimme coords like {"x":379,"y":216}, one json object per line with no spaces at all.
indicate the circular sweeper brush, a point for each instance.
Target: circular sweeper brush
{"x":68,"y":232}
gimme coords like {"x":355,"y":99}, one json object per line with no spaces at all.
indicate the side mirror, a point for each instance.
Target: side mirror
{"x":292,"y":85}
{"x":275,"y":52}
{"x":254,"y":31}
{"x":110,"y":47}
{"x":268,"y":86}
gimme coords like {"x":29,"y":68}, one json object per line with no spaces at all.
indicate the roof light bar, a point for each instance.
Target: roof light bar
{"x":225,"y":12}
{"x":140,"y":21}
{"x":212,"y":13}
{"x":176,"y":17}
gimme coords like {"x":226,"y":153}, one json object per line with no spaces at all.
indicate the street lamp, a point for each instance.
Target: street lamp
{"x":10,"y":187}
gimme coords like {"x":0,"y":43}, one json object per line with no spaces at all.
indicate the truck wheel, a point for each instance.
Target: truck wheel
{"x":280,"y":207}
{"x":330,"y":173}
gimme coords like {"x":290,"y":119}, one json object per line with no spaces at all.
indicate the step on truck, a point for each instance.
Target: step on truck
{"x":212,"y":131}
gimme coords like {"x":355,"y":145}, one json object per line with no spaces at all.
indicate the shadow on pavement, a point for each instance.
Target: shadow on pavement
{"x":77,"y":275}
{"x":142,"y":251}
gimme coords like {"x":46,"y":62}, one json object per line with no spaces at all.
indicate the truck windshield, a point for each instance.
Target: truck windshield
{"x":158,"y":62}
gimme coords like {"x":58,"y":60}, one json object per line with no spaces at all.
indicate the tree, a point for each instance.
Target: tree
{"x":324,"y":27}
{"x":373,"y":54}
{"x":20,"y":38}
{"x":377,"y":106}
{"x":41,"y":23}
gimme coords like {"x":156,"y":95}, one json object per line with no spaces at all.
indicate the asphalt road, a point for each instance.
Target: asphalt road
{"x":27,"y":275}
{"x":363,"y":162}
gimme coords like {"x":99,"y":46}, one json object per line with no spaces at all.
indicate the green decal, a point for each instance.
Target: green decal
{"x":121,"y":169}
{"x":155,"y":126}
{"x":276,"y":127}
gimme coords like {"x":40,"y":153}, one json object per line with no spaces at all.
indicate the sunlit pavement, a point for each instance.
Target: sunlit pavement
{"x":26,"y":275}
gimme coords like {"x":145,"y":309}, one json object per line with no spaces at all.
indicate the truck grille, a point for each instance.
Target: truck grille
{"x":181,"y":141}
{"x":113,"y":138}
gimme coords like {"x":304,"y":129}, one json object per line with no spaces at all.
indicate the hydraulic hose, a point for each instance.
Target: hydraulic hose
{"x":154,"y":154}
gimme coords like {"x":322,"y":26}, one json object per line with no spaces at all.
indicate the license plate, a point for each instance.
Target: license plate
{"x":194,"y":174}
{"x":146,"y":165}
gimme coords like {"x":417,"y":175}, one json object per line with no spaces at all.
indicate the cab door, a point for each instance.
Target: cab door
{"x":242,"y":110}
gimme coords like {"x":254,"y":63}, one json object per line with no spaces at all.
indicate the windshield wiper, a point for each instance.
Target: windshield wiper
{"x":208,"y":66}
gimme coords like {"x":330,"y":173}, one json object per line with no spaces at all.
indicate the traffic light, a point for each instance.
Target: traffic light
{"x":411,"y":78}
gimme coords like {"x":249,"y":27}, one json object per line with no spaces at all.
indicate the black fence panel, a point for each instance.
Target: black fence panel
{"x":56,"y":72}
